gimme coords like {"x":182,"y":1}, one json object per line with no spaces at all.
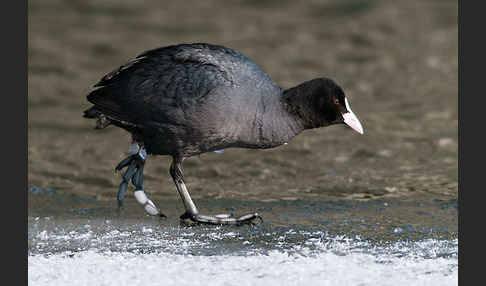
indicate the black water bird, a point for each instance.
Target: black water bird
{"x":188,"y":99}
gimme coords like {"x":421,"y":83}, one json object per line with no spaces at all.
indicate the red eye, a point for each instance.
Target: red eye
{"x":336,"y":101}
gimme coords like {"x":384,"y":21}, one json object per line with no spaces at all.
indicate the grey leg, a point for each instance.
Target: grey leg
{"x":134,"y":171}
{"x":191,"y":210}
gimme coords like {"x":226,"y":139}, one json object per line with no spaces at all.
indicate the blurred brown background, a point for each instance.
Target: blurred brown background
{"x":396,"y":60}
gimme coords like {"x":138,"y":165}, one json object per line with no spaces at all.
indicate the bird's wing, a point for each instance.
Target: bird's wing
{"x":161,"y":81}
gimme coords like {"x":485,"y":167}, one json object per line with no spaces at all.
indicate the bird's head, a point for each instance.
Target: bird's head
{"x":321,"y":102}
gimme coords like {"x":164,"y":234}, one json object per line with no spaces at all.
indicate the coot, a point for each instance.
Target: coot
{"x":187,"y":99}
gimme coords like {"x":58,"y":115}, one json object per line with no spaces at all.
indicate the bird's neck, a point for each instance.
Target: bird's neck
{"x":299,"y":104}
{"x":276,"y":126}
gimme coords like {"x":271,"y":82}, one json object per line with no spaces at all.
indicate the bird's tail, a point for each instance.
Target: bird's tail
{"x":91,"y":112}
{"x":101,"y":122}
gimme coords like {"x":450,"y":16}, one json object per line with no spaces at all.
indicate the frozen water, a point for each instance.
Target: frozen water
{"x":275,"y":268}
{"x":111,"y":253}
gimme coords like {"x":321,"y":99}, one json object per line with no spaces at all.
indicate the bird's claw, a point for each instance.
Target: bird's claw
{"x":147,"y":204}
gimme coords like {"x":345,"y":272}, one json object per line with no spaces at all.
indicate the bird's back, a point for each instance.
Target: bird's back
{"x":172,"y":89}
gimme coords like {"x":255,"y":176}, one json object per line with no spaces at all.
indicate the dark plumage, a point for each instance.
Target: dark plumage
{"x":188,"y":99}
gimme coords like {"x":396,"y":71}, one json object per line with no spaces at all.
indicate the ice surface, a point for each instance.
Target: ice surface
{"x":275,"y":268}
{"x":108,"y":254}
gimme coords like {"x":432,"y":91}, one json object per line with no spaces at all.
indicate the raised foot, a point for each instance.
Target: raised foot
{"x":134,"y":172}
{"x":222,"y":219}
